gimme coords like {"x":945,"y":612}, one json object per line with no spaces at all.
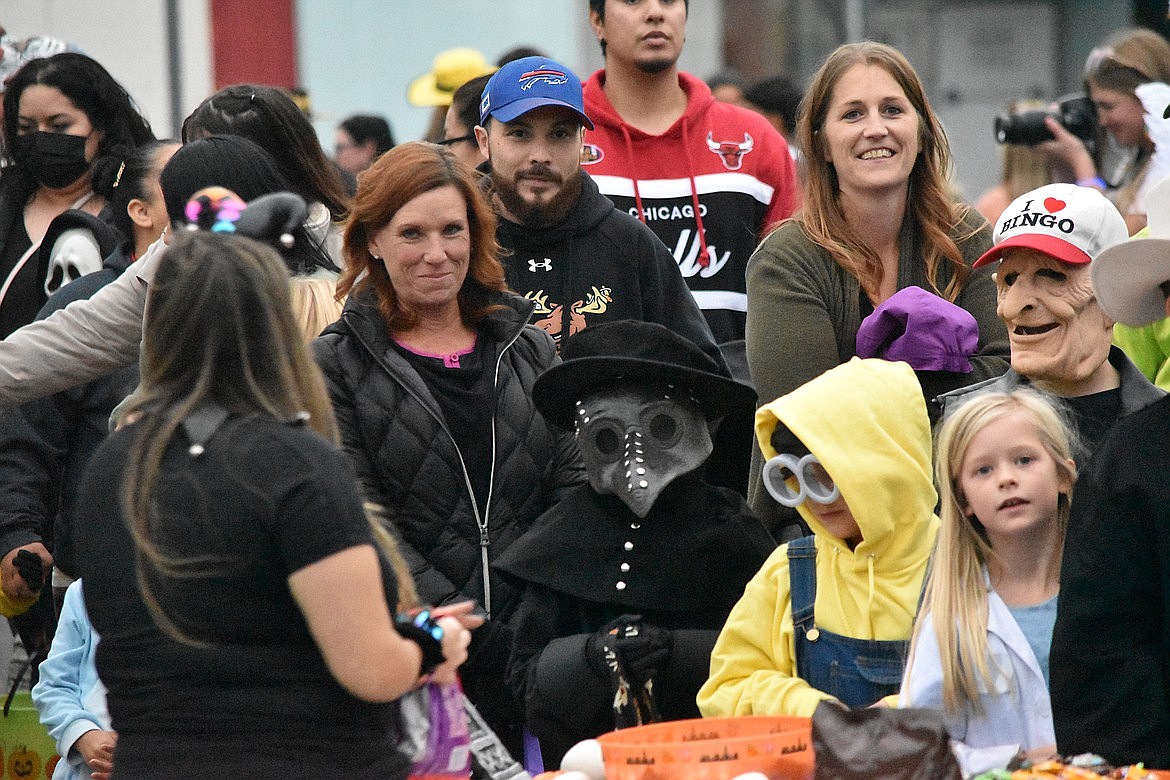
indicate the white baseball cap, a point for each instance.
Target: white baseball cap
{"x":1070,"y":223}
{"x":1128,"y":277}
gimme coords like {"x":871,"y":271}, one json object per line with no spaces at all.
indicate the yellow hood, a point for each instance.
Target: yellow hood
{"x":866,"y":422}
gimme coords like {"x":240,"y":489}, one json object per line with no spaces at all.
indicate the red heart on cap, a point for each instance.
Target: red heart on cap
{"x":1054,"y":205}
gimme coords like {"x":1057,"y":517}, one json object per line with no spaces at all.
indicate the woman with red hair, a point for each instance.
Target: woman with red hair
{"x":430,"y":370}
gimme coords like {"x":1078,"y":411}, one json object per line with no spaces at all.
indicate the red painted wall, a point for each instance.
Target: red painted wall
{"x":254,"y":41}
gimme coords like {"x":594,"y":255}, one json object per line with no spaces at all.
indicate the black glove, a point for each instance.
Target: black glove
{"x":640,"y":649}
{"x":28,"y":564}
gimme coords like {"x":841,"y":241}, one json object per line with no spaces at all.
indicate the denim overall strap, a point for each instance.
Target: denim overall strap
{"x":857,"y":672}
{"x":802,"y":586}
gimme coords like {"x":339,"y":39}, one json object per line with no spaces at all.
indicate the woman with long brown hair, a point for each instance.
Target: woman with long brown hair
{"x":245,"y":614}
{"x":878,"y":217}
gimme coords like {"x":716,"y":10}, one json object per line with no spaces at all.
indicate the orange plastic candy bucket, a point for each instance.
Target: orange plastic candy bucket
{"x":711,"y":749}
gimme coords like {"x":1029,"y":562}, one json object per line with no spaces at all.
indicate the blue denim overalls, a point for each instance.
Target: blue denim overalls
{"x":856,"y":671}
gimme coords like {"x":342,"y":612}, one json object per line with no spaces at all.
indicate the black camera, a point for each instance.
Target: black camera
{"x":1075,"y":113}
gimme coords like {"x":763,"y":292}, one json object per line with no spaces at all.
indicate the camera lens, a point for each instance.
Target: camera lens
{"x":1025,"y":128}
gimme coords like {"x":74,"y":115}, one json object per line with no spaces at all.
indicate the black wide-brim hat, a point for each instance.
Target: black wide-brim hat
{"x":630,"y":352}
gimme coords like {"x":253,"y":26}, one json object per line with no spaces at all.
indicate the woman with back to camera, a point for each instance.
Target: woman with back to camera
{"x":878,"y":219}
{"x":56,"y":434}
{"x":61,"y":114}
{"x":1119,"y":162}
{"x":430,"y":369}
{"x":270,"y":118}
{"x":246,"y":616}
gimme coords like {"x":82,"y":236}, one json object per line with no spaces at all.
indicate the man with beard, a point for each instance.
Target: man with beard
{"x":565,"y":245}
{"x":1060,"y":336}
{"x":709,"y":178}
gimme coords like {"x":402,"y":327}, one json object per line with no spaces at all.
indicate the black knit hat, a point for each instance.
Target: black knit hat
{"x":623,"y":352}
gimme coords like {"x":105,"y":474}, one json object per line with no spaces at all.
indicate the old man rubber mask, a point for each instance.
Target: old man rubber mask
{"x":636,"y":441}
{"x":1058,"y":332}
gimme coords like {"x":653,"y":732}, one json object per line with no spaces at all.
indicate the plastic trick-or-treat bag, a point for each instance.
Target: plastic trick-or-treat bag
{"x":879,"y":743}
{"x":435,"y":733}
{"x":26,"y":749}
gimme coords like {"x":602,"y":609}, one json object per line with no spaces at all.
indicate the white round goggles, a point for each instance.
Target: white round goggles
{"x":814,"y":482}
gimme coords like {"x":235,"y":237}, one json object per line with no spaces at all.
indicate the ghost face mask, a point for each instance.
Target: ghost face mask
{"x":636,"y":441}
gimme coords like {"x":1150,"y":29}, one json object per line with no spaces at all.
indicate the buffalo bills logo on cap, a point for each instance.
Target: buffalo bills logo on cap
{"x":530,"y":83}
{"x":546,"y":75}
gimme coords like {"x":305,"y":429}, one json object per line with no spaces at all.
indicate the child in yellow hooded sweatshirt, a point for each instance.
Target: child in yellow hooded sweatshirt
{"x":852,"y":451}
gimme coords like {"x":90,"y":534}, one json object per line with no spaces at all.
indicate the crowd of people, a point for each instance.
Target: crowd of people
{"x":611,"y":401}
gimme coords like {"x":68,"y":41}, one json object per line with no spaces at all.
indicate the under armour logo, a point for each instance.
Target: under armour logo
{"x":546,"y":264}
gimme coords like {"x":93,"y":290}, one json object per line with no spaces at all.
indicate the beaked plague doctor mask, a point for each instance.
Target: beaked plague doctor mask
{"x":635,"y":441}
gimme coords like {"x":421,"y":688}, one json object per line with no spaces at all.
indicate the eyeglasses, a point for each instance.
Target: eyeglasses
{"x":814,"y":482}
{"x":470,"y":138}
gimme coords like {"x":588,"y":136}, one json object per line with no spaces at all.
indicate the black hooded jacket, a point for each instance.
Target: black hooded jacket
{"x":408,"y":462}
{"x":599,"y":264}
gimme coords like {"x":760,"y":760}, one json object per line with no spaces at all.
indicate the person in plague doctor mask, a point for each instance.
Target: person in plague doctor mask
{"x":628,"y":579}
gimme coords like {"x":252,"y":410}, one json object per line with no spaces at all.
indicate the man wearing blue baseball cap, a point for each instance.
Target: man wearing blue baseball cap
{"x":568,"y":249}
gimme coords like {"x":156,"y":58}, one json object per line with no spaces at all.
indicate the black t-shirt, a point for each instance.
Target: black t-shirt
{"x":253,"y":698}
{"x":24,"y":297}
{"x":464,"y":387}
{"x":1093,"y":415}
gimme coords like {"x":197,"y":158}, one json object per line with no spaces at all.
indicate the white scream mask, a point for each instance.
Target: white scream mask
{"x":75,"y":254}
{"x":636,"y":441}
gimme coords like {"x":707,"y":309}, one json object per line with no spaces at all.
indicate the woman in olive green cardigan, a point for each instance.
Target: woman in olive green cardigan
{"x":877,"y":218}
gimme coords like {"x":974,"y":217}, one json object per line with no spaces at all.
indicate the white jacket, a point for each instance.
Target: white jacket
{"x":85,"y":340}
{"x":1017,"y":712}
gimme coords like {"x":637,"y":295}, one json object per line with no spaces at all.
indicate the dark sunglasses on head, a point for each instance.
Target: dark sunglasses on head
{"x":451,"y":141}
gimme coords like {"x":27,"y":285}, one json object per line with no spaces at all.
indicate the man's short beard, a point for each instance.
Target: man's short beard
{"x":653,"y":67}
{"x":538,"y":215}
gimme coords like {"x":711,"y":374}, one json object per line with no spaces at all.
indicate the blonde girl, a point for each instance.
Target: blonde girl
{"x":980,"y":647}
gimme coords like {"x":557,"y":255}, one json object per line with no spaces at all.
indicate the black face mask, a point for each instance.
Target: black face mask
{"x":53,"y":159}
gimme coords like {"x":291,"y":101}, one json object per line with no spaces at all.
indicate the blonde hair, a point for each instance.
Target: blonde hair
{"x":1128,"y":59}
{"x":955,"y":592}
{"x":1024,"y":168}
{"x":407,"y":592}
{"x":315,"y":304}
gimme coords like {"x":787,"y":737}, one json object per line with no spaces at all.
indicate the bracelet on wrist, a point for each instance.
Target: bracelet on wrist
{"x":427,"y":634}
{"x":1096,"y":182}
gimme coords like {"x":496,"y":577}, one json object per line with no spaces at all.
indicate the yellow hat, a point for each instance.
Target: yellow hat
{"x":451,"y":70}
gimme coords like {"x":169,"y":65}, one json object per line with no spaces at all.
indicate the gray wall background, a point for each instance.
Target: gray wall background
{"x":975,"y":56}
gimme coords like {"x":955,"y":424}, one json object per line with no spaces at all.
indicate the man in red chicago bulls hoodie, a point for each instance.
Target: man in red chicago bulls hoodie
{"x":708,"y":178}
